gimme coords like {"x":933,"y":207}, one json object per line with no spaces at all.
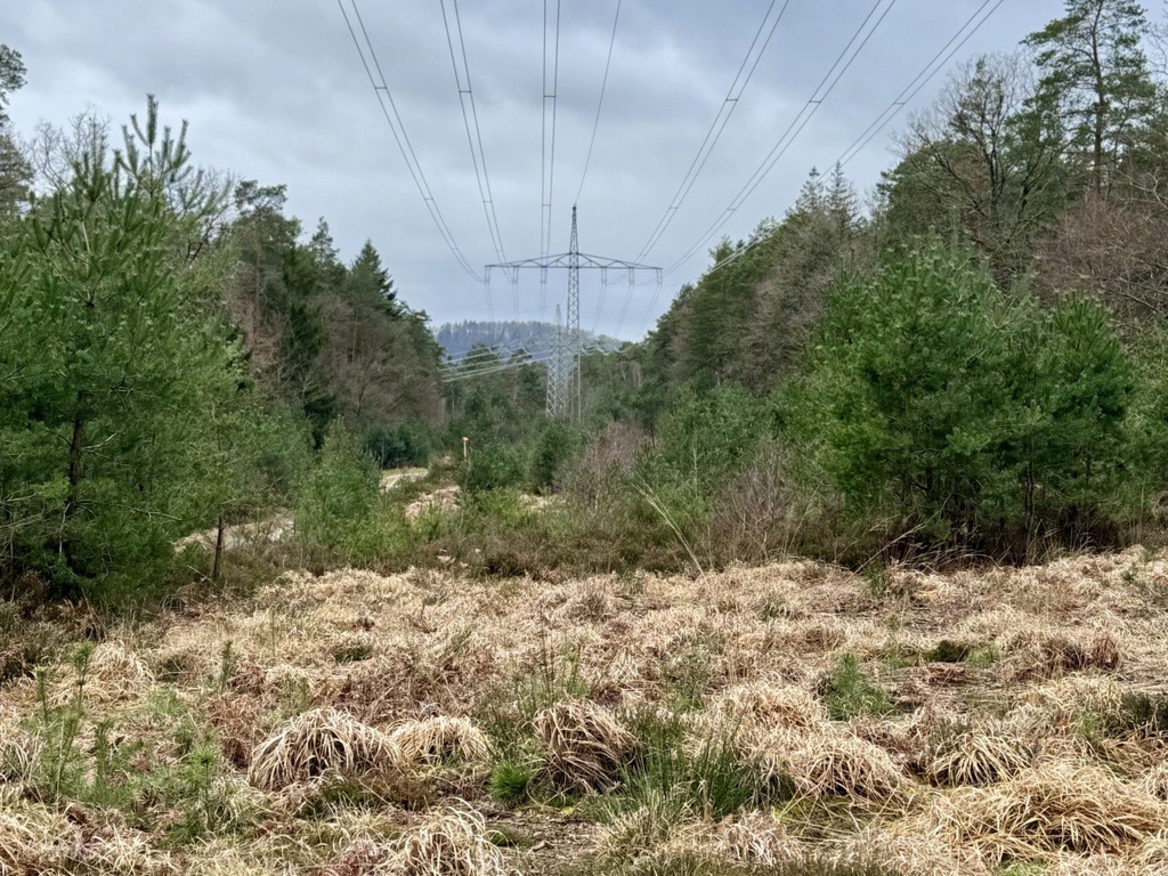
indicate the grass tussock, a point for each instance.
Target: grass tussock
{"x":1052,"y":807}
{"x":767,"y":705}
{"x":585,"y":747}
{"x":773,"y":721}
{"x":320,"y":742}
{"x":363,"y":857}
{"x":752,"y":840}
{"x":448,"y":842}
{"x":442,"y":740}
{"x":980,"y":756}
{"x":1049,"y":654}
{"x":831,"y":764}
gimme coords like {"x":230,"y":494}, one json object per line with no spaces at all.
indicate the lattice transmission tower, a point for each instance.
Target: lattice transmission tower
{"x":565,"y":389}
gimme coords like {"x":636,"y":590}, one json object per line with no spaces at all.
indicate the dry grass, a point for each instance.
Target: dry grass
{"x":448,"y":842}
{"x":755,"y":839}
{"x":1052,"y":653}
{"x":321,"y":742}
{"x":1025,"y":753}
{"x":980,"y":756}
{"x":830,"y":763}
{"x":585,"y":747}
{"x":768,"y":705}
{"x":911,"y":855}
{"x":442,"y":740}
{"x":24,"y":840}
{"x":1052,"y":807}
{"x":363,"y":857}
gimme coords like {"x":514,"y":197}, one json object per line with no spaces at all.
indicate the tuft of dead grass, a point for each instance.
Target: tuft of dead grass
{"x":752,"y":839}
{"x":1051,"y":807}
{"x":842,"y":765}
{"x":324,"y":741}
{"x":1155,"y":782}
{"x":448,"y":842}
{"x":1050,"y":653}
{"x":585,"y":746}
{"x":25,"y":842}
{"x":909,"y":855}
{"x":363,"y":857}
{"x":768,"y":705}
{"x":442,"y":740}
{"x":980,"y":756}
{"x":825,"y":762}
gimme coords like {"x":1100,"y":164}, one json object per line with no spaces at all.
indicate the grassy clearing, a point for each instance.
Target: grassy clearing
{"x":775,"y":720}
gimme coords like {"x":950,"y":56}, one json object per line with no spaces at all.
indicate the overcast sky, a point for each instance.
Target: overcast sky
{"x":275,"y":90}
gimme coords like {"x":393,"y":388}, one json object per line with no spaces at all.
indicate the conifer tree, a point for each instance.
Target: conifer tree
{"x":1095,"y":78}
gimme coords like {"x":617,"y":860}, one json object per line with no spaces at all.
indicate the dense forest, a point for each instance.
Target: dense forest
{"x":966,"y":363}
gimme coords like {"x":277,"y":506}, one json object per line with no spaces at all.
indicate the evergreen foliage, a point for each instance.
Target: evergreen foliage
{"x":961,"y":416}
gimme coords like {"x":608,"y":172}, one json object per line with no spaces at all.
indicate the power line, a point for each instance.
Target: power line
{"x":548,"y":151}
{"x":509,"y":348}
{"x":710,"y":141}
{"x":927,"y":74}
{"x":600,"y":102}
{"x":717,"y":127}
{"x":480,"y":372}
{"x":818,"y":95}
{"x":906,"y":96}
{"x":474,"y":140}
{"x":397,"y":127}
{"x":822,"y":91}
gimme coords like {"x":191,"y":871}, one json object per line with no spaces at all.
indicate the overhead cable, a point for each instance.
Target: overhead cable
{"x":474,"y":138}
{"x":600,"y":102}
{"x":730,"y":103}
{"x":397,"y":127}
{"x":935,"y":66}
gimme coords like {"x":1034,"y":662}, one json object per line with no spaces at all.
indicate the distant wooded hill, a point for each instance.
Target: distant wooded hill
{"x":508,"y":337}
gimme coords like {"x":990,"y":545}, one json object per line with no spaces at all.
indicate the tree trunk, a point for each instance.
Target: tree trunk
{"x":215,"y":567}
{"x":75,"y":472}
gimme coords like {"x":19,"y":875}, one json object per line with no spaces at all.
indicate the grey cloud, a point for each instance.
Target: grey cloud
{"x":274,"y":90}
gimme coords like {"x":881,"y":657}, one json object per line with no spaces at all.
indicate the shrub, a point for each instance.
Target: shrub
{"x":399,"y":446}
{"x":963,"y":417}
{"x":339,"y":493}
{"x":493,"y":467}
{"x":707,"y":438}
{"x":706,"y":778}
{"x":554,"y":447}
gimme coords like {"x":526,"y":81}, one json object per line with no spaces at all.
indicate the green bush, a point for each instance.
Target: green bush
{"x":706,"y":438}
{"x":340,"y":493}
{"x":709,"y":780}
{"x":955,"y":415}
{"x":554,"y":448}
{"x":400,"y":446}
{"x":493,"y":467}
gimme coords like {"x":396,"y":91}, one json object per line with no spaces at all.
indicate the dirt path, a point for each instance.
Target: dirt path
{"x":393,"y":477}
{"x":271,"y":530}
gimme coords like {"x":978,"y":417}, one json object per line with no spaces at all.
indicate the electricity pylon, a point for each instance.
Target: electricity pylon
{"x":565,"y":390}
{"x":557,"y":369}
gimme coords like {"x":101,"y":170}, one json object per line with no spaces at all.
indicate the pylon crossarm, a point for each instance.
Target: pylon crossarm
{"x":562,"y":261}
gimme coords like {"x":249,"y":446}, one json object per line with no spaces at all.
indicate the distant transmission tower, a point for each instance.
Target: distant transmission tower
{"x":565,"y":389}
{"x":557,"y":402}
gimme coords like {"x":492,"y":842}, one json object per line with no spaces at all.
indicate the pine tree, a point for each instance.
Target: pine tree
{"x":1095,"y":77}
{"x":370,"y":281}
{"x":107,"y":367}
{"x":12,"y":72}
